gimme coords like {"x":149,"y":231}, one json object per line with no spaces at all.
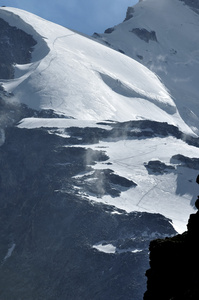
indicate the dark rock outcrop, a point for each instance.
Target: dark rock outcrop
{"x":158,"y":167}
{"x":192,"y":163}
{"x":16,"y":46}
{"x":109,"y":30}
{"x":174,"y":265}
{"x":194,"y":4}
{"x":129,"y":13}
{"x":145,"y":35}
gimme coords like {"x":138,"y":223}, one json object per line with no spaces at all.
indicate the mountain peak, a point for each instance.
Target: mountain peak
{"x":166,"y":48}
{"x":63,"y":61}
{"x":129,"y":13}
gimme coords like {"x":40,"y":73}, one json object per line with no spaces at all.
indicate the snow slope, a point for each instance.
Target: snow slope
{"x":171,"y":193}
{"x":88,"y":82}
{"x":163,"y":35}
{"x":75,"y":76}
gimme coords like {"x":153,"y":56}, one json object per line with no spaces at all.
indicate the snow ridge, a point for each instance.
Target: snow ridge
{"x":162,"y":35}
{"x":77,"y":77}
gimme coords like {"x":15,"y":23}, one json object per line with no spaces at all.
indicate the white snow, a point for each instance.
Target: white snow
{"x":170,"y":194}
{"x":175,"y":55}
{"x":78,"y":77}
{"x":110,"y":249}
{"x":31,"y":123}
{"x":107,"y":248}
{"x":136,"y":251}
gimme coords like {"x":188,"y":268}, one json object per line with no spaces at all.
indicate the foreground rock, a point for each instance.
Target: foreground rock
{"x":174,"y":265}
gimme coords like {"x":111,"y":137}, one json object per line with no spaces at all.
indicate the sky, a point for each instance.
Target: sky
{"x":86,"y":16}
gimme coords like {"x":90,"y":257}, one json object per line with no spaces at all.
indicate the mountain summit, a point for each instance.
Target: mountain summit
{"x":163,"y":36}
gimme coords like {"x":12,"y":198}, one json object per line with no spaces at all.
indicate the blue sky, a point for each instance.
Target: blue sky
{"x":86,"y":16}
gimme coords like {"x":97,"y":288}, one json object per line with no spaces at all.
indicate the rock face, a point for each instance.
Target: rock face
{"x":55,"y":244}
{"x":16,"y":47}
{"x":129,"y":13}
{"x":174,"y":265}
{"x":145,"y":35}
{"x":193,"y":3}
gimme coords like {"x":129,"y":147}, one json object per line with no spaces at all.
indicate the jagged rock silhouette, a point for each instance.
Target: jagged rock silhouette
{"x":174,"y":264}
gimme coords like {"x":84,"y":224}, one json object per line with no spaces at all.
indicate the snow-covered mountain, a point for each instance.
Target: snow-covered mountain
{"x":98,"y":154}
{"x":163,"y":36}
{"x":82,"y":79}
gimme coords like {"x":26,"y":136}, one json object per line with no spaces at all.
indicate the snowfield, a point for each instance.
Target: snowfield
{"x":163,"y":36}
{"x":172,"y":194}
{"x":75,"y":76}
{"x":169,"y":194}
{"x":87,"y":82}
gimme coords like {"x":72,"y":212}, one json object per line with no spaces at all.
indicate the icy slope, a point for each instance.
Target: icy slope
{"x":77,"y":77}
{"x":163,"y":35}
{"x":87,"y":82}
{"x":163,"y":184}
